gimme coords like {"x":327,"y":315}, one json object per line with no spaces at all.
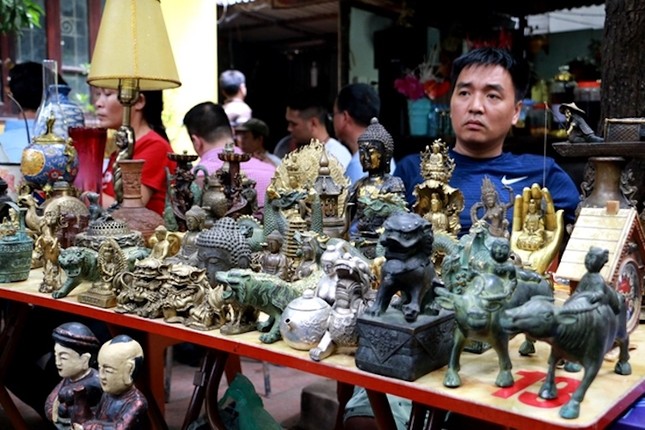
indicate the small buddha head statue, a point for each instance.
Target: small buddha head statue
{"x":376,"y":148}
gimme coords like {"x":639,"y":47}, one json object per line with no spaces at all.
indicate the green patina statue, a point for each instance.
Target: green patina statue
{"x":587,"y":326}
{"x":267,"y":293}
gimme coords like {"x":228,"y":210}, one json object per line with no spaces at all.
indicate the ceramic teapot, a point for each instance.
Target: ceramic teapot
{"x":214,"y":198}
{"x":304,"y":321}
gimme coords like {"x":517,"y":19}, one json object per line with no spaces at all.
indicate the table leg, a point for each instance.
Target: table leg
{"x":212,"y":406}
{"x":8,"y":340}
{"x":425,"y":417}
{"x":418,"y":416}
{"x":382,"y":411}
{"x":207,"y":380}
{"x":343,"y":394}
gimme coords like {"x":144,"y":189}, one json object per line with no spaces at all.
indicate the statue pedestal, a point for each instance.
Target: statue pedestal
{"x":99,"y":297}
{"x":388,"y":345}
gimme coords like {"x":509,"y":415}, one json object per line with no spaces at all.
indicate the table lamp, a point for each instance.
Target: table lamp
{"x":132,"y":53}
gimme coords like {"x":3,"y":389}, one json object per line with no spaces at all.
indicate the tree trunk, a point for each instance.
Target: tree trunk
{"x":623,"y":59}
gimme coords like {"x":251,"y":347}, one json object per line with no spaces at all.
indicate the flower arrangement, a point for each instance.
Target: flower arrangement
{"x":422,"y":82}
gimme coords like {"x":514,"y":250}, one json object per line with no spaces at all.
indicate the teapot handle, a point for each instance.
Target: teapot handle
{"x":201,"y":168}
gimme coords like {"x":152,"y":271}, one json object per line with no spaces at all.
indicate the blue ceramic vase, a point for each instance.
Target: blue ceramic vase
{"x":65,"y":111}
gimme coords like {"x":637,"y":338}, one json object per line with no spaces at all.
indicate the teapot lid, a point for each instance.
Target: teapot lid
{"x":48,"y":136}
{"x":308,"y":301}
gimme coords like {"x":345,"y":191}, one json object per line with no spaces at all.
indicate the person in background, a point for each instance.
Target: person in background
{"x":151,"y":144}
{"x":307,"y":119}
{"x":210,"y":130}
{"x":285,"y":146}
{"x":26,"y":87}
{"x":232,"y":84}
{"x":354,"y":108}
{"x":250,"y":138}
{"x":488,"y":87}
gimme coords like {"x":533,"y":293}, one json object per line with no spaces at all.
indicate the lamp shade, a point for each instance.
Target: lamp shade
{"x":133,"y":43}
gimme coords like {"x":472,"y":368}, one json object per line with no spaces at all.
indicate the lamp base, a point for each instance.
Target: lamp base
{"x":132,"y":210}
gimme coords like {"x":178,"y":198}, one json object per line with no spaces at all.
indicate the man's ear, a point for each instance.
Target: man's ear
{"x":518,"y":110}
{"x":197,"y":142}
{"x":314,"y":121}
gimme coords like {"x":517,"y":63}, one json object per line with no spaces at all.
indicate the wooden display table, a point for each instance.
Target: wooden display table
{"x":515,"y":407}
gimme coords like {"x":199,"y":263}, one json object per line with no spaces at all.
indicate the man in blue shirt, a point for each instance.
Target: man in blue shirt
{"x":488,"y":87}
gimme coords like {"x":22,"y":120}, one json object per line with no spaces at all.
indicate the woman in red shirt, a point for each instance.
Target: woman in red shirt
{"x":151,"y":144}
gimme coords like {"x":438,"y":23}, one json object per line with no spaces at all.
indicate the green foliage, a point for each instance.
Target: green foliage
{"x":16,"y":15}
{"x":85,"y":102}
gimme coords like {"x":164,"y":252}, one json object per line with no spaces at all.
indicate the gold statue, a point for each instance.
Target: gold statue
{"x":538,"y":229}
{"x":437,"y":201}
{"x":111,"y":262}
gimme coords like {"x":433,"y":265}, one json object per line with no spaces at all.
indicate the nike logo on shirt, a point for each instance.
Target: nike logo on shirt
{"x":511,"y":181}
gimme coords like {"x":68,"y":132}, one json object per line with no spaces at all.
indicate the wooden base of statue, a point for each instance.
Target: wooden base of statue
{"x":388,"y":345}
{"x":132,"y":210}
{"x":99,"y":297}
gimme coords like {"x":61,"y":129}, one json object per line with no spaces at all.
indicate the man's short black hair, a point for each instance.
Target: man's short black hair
{"x":208,"y":121}
{"x":310,"y":102}
{"x":360,"y":101}
{"x":487,"y":56}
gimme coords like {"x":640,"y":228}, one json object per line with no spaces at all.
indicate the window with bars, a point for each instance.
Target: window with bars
{"x":76,"y":25}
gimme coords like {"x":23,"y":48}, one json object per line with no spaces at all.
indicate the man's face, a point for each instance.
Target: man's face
{"x":70,"y":364}
{"x":483,"y":108}
{"x":339,"y":120}
{"x":299,"y":127}
{"x":247,"y":142}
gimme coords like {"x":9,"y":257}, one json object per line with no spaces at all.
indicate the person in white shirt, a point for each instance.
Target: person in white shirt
{"x":307,"y":118}
{"x":232,"y":84}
